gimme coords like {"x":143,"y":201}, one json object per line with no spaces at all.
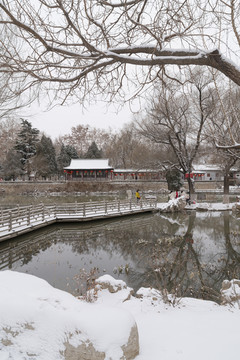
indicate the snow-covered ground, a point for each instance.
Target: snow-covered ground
{"x":200,"y":206}
{"x":35,"y":319}
{"x":210,"y":206}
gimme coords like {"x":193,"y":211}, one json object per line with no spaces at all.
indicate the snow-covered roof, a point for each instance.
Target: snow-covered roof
{"x":134,"y":170}
{"x":207,"y":168}
{"x":88,"y":164}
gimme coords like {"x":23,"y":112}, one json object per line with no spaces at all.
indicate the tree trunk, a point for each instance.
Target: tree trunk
{"x":226,"y":188}
{"x":191,"y":188}
{"x":189,"y":233}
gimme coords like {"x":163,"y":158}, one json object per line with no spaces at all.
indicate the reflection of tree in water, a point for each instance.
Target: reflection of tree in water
{"x":163,"y":250}
{"x":111,"y":236}
{"x":230,"y":260}
{"x":176,"y":264}
{"x":123,"y":237}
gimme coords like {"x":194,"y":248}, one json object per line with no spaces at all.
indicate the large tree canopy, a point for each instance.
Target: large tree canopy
{"x":176,"y":120}
{"x":89,"y":47}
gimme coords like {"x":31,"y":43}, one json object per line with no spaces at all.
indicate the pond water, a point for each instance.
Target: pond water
{"x":52,"y":198}
{"x":190,"y":254}
{"x":9,"y":201}
{"x":36,"y":197}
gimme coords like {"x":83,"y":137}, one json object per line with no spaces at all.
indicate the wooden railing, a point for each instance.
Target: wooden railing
{"x":19,"y":218}
{"x":24,"y":215}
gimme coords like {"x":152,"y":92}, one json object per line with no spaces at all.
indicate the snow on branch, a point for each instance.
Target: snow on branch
{"x":228,"y":147}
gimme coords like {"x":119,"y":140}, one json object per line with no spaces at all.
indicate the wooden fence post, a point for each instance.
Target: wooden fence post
{"x":10,"y":221}
{"x":43,"y":212}
{"x":84,"y":209}
{"x":29,"y":215}
{"x":105,"y":207}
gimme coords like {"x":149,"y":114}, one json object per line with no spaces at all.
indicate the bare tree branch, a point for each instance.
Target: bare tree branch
{"x":78,"y":48}
{"x":177,"y":120}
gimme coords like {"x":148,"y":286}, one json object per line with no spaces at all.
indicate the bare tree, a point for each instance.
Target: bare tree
{"x":128,"y":150}
{"x":86,"y":48}
{"x":81,"y":137}
{"x":11,"y":86}
{"x":122,"y":148}
{"x":225,"y":120}
{"x":176,"y":119}
{"x":223,"y":131}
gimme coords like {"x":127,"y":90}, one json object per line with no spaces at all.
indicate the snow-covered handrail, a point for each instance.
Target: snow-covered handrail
{"x":16,"y":221}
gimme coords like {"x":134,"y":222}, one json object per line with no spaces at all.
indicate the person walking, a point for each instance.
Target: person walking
{"x":138,"y":196}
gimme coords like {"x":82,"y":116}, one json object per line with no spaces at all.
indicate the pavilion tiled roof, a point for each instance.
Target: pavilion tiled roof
{"x":89,"y":164}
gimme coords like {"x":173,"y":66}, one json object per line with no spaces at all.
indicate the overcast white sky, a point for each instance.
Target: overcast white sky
{"x":61,"y":119}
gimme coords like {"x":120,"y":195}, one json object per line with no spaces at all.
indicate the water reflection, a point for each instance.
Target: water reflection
{"x":34,"y":198}
{"x":189,"y":254}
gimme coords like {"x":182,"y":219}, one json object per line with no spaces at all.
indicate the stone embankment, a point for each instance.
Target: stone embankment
{"x":30,"y":187}
{"x":25,"y":187}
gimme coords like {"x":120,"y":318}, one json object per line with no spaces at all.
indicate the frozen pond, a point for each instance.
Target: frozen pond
{"x":188,"y":253}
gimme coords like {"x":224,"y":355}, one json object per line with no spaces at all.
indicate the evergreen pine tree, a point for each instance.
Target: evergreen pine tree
{"x":93,"y":152}
{"x":71,"y":152}
{"x":174,"y":179}
{"x":45,"y":161}
{"x":67,"y":153}
{"x":26,"y":144}
{"x":12,"y":166}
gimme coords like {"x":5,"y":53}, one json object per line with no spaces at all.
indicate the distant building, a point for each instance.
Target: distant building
{"x":83,"y":169}
{"x":90,"y":169}
{"x":211,"y":173}
{"x":140,"y":174}
{"x":99,"y":169}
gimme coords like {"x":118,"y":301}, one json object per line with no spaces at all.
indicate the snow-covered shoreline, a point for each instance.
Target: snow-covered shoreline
{"x":36,"y":320}
{"x":198,"y":206}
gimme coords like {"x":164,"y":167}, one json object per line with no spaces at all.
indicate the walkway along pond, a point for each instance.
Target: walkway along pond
{"x":19,"y":220}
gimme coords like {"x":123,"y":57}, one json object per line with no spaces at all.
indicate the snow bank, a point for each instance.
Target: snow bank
{"x":193,"y":329}
{"x":173,"y":205}
{"x":113,"y":285}
{"x":230,"y":292}
{"x":36,"y":320}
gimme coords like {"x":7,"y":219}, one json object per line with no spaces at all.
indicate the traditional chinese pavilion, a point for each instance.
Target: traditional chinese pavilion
{"x":88,"y":169}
